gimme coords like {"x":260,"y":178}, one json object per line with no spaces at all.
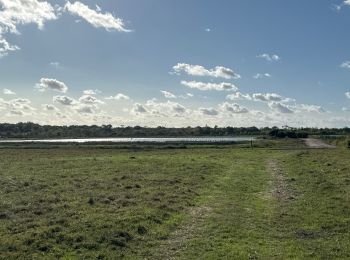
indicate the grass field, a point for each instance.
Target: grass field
{"x":197,"y":203}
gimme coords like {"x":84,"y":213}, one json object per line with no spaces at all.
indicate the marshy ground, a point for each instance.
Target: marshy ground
{"x":197,"y":203}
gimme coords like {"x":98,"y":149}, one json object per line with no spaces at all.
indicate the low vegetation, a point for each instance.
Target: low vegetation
{"x":197,"y":203}
{"x":289,"y":133}
{"x":31,"y":130}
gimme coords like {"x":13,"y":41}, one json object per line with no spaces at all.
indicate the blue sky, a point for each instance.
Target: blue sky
{"x":175,"y":63}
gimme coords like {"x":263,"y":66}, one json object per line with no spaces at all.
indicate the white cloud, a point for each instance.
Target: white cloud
{"x":186,"y":96}
{"x":347,"y":94}
{"x":23,"y":101}
{"x":64,"y":100}
{"x":21,"y":12}
{"x":18,"y":106}
{"x":155,"y":108}
{"x":208,"y":30}
{"x":95,"y":17}
{"x":85,"y":105}
{"x":56,"y":64}
{"x":269,"y":57}
{"x":280,"y":108}
{"x":336,"y":7}
{"x":238,"y":96}
{"x":16,"y":112}
{"x":197,"y":70}
{"x":91,"y":92}
{"x":345,"y":65}
{"x":49,"y":107}
{"x":119,"y":96}
{"x":16,"y":12}
{"x":138,"y":109}
{"x":209,"y":86}
{"x":270,"y":97}
{"x":85,"y":108}
{"x":209,"y":111}
{"x":168,"y":108}
{"x":176,"y":107}
{"x":168,"y":94}
{"x":233,"y":108}
{"x":52,"y":84}
{"x":6,"y":47}
{"x":309,"y":108}
{"x":262,"y":75}
{"x":89,"y":100}
{"x":8,"y":92}
{"x":167,"y":113}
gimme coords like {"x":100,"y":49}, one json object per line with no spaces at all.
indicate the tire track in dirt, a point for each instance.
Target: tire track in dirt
{"x":281,"y":195}
{"x":281,"y":190}
{"x":177,"y":240}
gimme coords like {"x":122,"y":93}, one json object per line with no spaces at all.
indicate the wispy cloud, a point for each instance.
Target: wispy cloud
{"x":56,"y":64}
{"x":345,"y":65}
{"x":336,"y":7}
{"x":262,"y":75}
{"x":186,"y":96}
{"x":6,"y":47}
{"x":91,"y":92}
{"x":238,"y":96}
{"x":95,"y":17}
{"x":309,"y":108}
{"x":269,"y":57}
{"x":7,"y":91}
{"x":168,"y":94}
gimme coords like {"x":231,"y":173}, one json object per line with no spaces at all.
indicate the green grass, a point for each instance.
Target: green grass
{"x":195,"y":203}
{"x":339,"y":141}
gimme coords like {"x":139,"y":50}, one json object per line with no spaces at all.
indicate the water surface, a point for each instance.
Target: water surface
{"x":135,"y":140}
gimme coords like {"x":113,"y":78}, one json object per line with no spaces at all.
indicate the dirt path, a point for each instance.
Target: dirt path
{"x":282,"y":195}
{"x":177,"y":241}
{"x":280,"y":189}
{"x":317,"y":144}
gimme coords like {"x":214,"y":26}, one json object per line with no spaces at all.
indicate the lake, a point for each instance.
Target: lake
{"x":136,"y":140}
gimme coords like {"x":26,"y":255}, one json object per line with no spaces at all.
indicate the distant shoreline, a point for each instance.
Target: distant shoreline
{"x":129,"y":140}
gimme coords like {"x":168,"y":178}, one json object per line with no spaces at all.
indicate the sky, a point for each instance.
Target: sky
{"x":175,"y":63}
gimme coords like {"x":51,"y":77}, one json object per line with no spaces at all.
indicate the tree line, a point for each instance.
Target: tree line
{"x":32,"y":130}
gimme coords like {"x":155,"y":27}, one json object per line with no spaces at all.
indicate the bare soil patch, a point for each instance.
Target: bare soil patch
{"x":280,"y":189}
{"x":317,"y":144}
